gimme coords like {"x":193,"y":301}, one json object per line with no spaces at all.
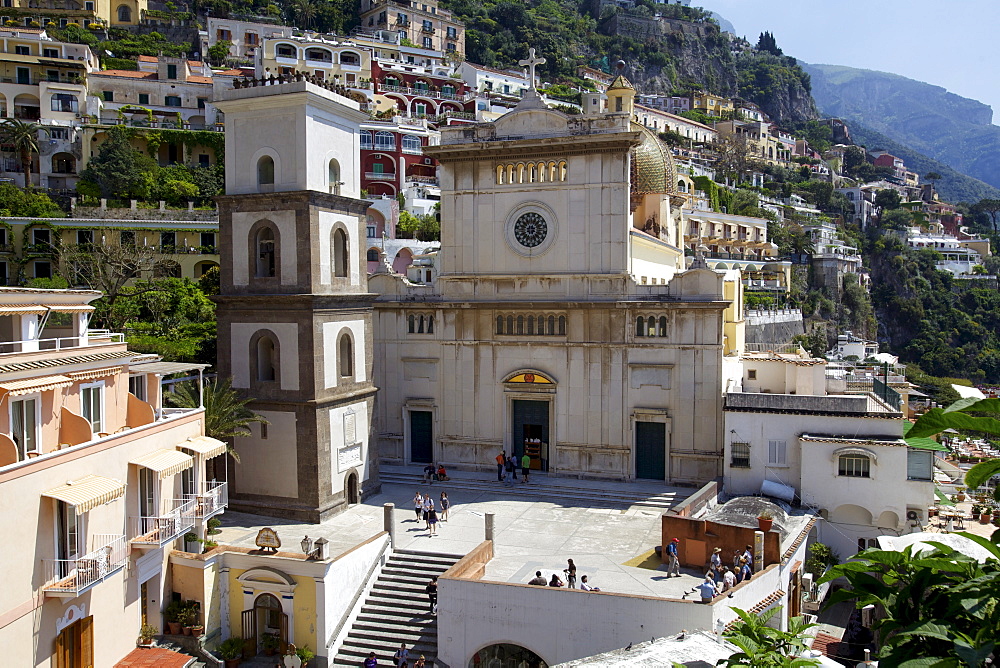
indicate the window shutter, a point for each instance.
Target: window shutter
{"x":919,"y":465}
{"x":776,"y":453}
{"x":87,"y":641}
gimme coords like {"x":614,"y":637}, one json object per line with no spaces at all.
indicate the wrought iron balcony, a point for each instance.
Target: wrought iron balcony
{"x":68,"y":578}
{"x":159,"y":530}
{"x":210,"y":502}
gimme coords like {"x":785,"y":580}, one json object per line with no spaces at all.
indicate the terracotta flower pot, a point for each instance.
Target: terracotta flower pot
{"x":187,"y":630}
{"x":175,"y":628}
{"x":197,"y":630}
{"x":764,"y":523}
{"x":232,"y":663}
{"x":984,"y":518}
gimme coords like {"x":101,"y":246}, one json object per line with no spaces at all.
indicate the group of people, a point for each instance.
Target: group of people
{"x":507,"y":468}
{"x":432,"y":474}
{"x":423,"y":506}
{"x":556,"y":581}
{"x":401,"y":659}
{"x":720,"y":578}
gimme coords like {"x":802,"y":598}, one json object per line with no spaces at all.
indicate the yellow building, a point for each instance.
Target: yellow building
{"x":425,"y":24}
{"x":713,"y":105}
{"x":39,"y":13}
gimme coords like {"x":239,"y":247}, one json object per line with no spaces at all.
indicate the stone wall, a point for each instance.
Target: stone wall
{"x":778,"y":326}
{"x":136,"y":213}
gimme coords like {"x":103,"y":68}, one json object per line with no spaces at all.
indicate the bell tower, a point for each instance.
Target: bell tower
{"x":294,"y":312}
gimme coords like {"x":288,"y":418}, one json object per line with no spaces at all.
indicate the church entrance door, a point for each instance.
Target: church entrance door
{"x":650,"y":450}
{"x":530,"y":432}
{"x":421,"y":437}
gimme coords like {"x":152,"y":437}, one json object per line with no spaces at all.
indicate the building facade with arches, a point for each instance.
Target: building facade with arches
{"x":559,"y":233}
{"x":294,"y":313}
{"x":838,"y":449}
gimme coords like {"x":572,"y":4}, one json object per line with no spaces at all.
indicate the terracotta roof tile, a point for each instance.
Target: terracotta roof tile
{"x":147,"y":59}
{"x":196,"y":64}
{"x":197,"y":79}
{"x":229,"y":73}
{"x":154,"y":657}
{"x":125,"y":74}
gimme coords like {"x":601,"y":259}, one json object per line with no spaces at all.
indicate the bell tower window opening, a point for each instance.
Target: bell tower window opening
{"x":266,"y":253}
{"x":266,"y":360}
{"x":340,"y":253}
{"x":345,"y":349}
{"x":265,"y":171}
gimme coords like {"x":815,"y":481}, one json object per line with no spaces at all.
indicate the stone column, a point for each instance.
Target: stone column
{"x":388,"y":524}
{"x":489,"y":526}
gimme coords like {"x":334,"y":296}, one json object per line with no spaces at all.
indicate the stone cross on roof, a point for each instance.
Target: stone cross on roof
{"x":530,"y":63}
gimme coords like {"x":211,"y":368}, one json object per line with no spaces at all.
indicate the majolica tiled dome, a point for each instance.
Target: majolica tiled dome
{"x":652,"y":166}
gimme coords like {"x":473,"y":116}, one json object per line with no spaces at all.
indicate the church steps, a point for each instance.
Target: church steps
{"x":657,"y":501}
{"x":397,"y":611}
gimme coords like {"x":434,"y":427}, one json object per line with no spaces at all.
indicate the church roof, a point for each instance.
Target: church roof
{"x":621,"y":83}
{"x":652,"y":166}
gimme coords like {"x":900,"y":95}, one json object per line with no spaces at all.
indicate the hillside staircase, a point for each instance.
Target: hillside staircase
{"x":397,"y":611}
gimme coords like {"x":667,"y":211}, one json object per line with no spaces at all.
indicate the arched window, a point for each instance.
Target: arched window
{"x":411,"y":325}
{"x":663,"y":325}
{"x":124,"y":14}
{"x":854,"y":466}
{"x":640,"y":326}
{"x":267,"y":360}
{"x":265,"y":171}
{"x":366,"y":139}
{"x":510,"y":173}
{"x":541,"y":172}
{"x":531,"y":325}
{"x":373,"y":255}
{"x":411,"y":144}
{"x":266,"y":253}
{"x":520,"y":173}
{"x":552,"y":324}
{"x":346,"y":351}
{"x":552,"y":171}
{"x":333,"y":177}
{"x":430,"y":324}
{"x":319,"y":55}
{"x":339,"y":253}
{"x":499,"y":324}
{"x":349,"y":58}
{"x":500,"y":175}
{"x":385,"y":141}
{"x":562,"y":325}
{"x":420,"y":326}
{"x":270,"y":610}
{"x":510,"y":324}
{"x":682,"y":186}
{"x":562,"y":170}
{"x":531,"y":173}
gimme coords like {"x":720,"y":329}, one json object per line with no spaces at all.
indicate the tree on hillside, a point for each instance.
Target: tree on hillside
{"x":854,"y":158}
{"x":109,"y":268}
{"x":887,"y":199}
{"x":735,"y":158}
{"x":15,"y":201}
{"x":990,"y":207}
{"x":118,"y":170}
{"x":766,"y":42}
{"x":22,"y":137}
{"x":218,"y":52}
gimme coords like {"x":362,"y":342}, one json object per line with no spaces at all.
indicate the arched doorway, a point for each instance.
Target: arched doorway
{"x":352,"y":492}
{"x":266,"y":618}
{"x":505,"y":655}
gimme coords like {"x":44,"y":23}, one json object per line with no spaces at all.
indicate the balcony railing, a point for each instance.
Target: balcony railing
{"x":429,"y":180}
{"x":212,"y":501}
{"x":380,"y":176}
{"x":425,"y":92}
{"x":33,"y":345}
{"x":69,"y":578}
{"x":160,"y":530}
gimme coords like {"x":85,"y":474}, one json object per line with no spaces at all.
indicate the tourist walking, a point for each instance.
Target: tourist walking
{"x":538,"y":580}
{"x":707,"y":590}
{"x":673,"y":563}
{"x":525,"y":467}
{"x":432,"y":519}
{"x":428,"y":507}
{"x":570,"y":572}
{"x":402,"y":656}
{"x":432,"y":594}
{"x":715,"y":563}
{"x":371,"y":661}
{"x":501,"y":462}
{"x":445,"y":505}
{"x":418,"y":505}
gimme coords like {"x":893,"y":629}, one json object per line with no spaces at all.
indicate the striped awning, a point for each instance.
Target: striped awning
{"x":87,"y":493}
{"x":38,"y":384}
{"x":71,"y":308}
{"x":206,"y":446}
{"x":21,"y":309}
{"x":96,"y":373}
{"x":165,"y":462}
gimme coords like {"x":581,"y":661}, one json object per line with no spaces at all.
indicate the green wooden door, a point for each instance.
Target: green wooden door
{"x":650,"y":450}
{"x":421,"y":436}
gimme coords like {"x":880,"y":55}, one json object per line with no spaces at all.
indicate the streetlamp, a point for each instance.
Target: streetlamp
{"x":307,"y":546}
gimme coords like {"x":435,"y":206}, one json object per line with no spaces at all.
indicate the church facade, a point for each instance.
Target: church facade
{"x":563,"y":322}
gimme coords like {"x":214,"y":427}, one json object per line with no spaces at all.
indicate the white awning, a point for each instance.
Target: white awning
{"x":206,"y":446}
{"x":38,"y":384}
{"x":164,"y":368}
{"x":20,"y":309}
{"x":165,"y":462}
{"x":87,"y":493}
{"x":96,"y":373}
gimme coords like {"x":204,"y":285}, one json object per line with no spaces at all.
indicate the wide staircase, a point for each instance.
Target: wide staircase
{"x":397,"y":611}
{"x":643,"y":495}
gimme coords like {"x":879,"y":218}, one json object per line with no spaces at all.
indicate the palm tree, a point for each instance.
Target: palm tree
{"x":22,"y":136}
{"x":305,"y":12}
{"x":226,"y":412}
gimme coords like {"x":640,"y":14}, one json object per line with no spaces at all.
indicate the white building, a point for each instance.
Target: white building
{"x":956,"y":255}
{"x":246,"y":36}
{"x":849,"y":345}
{"x":843,"y":454}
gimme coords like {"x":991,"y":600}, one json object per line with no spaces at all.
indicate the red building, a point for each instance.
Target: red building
{"x":423,"y":92}
{"x":392,"y":156}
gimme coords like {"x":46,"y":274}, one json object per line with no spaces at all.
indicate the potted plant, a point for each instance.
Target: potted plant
{"x":984,"y":513}
{"x":197,"y":628}
{"x":960,"y":494}
{"x":270,"y":643}
{"x":191,"y":542}
{"x":765,"y":520}
{"x":146,"y":634}
{"x":188,"y":618}
{"x":305,"y":655}
{"x":173,"y":615}
{"x":231,"y":651}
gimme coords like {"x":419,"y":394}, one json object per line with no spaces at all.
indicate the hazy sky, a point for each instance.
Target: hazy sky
{"x":949,"y":43}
